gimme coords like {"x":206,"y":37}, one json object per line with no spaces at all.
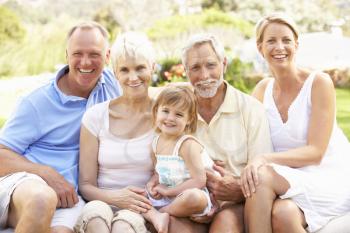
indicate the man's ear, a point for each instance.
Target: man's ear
{"x":108,"y":56}
{"x":153,"y":67}
{"x":224,"y":63}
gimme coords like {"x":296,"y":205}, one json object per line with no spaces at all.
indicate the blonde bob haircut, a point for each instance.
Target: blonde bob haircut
{"x":181,"y":97}
{"x":274,"y":18}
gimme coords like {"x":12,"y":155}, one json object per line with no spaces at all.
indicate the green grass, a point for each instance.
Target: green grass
{"x":2,"y":122}
{"x":343,"y":110}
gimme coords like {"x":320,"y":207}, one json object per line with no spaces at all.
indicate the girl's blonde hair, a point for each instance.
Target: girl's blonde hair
{"x":182,"y":97}
{"x":274,"y":18}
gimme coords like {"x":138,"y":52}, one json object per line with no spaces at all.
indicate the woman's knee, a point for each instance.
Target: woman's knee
{"x":283,"y":211}
{"x":266,"y":176}
{"x":97,"y":225}
{"x":128,"y":221}
{"x":95,"y":215}
{"x":122,"y":227}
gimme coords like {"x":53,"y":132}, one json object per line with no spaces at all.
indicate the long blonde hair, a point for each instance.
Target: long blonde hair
{"x":274,"y":18}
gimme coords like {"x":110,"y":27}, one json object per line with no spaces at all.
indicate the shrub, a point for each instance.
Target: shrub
{"x":171,"y":70}
{"x":11,"y":28}
{"x":340,"y":77}
{"x":41,"y":50}
{"x":182,"y":24}
{"x":236,"y":74}
{"x":105,"y":17}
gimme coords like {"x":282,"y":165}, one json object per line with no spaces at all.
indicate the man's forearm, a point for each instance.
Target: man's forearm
{"x":12,"y":162}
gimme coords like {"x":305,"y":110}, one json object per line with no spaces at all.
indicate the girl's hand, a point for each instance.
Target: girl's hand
{"x":156,"y":195}
{"x":152,"y":192}
{"x":153,"y":182}
{"x":162,"y":190}
{"x":132,"y":198}
{"x":249,"y":176}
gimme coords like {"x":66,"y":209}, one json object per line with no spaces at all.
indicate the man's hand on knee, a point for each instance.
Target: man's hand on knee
{"x":224,"y":187}
{"x":66,"y":194}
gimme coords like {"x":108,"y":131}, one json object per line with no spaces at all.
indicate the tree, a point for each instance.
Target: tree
{"x":306,"y":13}
{"x":10,"y":26}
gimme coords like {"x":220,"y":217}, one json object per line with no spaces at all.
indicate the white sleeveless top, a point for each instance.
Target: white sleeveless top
{"x":121,"y":162}
{"x":293,"y":133}
{"x":321,"y":191}
{"x":171,"y":169}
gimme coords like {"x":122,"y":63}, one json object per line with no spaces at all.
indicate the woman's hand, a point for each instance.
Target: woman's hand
{"x":132,"y":198}
{"x":249,"y":176}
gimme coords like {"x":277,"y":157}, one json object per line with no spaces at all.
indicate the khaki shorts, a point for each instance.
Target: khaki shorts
{"x":63,"y":217}
{"x":8,"y":184}
{"x":99,"y":209}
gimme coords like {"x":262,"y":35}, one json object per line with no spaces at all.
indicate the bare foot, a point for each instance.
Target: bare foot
{"x":161,"y":222}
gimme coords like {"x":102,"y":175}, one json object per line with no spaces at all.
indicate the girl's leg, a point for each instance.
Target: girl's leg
{"x":258,"y":207}
{"x":191,"y":201}
{"x":159,"y":220}
{"x":287,"y":217}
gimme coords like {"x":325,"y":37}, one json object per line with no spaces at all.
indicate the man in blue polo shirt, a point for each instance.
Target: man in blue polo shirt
{"x":39,"y":145}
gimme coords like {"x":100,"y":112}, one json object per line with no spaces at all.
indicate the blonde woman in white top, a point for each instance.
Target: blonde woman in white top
{"x":303,"y":184}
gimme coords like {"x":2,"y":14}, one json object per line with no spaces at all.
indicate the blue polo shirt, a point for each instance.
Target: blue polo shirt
{"x":45,"y":127}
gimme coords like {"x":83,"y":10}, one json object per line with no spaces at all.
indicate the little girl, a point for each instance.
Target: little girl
{"x":178,"y":184}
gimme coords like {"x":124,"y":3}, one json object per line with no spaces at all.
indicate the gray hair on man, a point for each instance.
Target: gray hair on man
{"x":88,"y":26}
{"x":199,"y":39}
{"x":133,"y":44}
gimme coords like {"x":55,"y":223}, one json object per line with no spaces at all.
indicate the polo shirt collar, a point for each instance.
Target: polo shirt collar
{"x":228,"y":106}
{"x":230,"y":101}
{"x":71,"y":98}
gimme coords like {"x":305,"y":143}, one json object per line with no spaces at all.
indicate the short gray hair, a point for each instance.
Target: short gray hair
{"x":89,"y":26}
{"x":201,"y":39}
{"x":132,"y":44}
